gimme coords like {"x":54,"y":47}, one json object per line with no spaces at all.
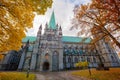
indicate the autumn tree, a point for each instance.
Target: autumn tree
{"x":98,"y":22}
{"x":16,"y":16}
{"x":112,"y":8}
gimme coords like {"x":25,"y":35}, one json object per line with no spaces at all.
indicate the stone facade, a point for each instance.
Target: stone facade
{"x":11,"y":60}
{"x":52,"y":51}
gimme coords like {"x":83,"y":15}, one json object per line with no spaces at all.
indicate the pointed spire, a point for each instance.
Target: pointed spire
{"x":40,"y":27}
{"x":56,"y":26}
{"x":52,"y":23}
{"x":27,"y":44}
{"x":46,"y":26}
{"x":39,"y":31}
{"x":28,"y":41}
{"x":60,"y":31}
{"x":60,"y":28}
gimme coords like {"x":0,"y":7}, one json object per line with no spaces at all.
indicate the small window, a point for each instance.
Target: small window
{"x":94,"y":59}
{"x":112,"y":58}
{"x":49,"y":37}
{"x":69,"y":59}
{"x":88,"y":59}
{"x":76,"y":59}
{"x":46,"y":56}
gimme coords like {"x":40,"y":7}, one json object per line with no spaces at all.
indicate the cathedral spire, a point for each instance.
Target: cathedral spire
{"x":52,"y":23}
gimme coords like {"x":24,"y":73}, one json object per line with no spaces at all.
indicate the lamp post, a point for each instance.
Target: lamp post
{"x":89,"y":64}
{"x":28,"y":69}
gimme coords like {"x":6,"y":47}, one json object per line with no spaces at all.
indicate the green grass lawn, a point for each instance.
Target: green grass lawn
{"x":112,"y":74}
{"x":16,"y":76}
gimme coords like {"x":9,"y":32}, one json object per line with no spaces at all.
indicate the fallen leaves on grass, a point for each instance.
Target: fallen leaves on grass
{"x":112,"y":74}
{"x":15,"y":76}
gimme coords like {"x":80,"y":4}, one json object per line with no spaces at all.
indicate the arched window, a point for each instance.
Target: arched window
{"x":112,"y":58}
{"x":76,"y":59}
{"x":46,"y":56}
{"x":64,"y":59}
{"x":55,"y":59}
{"x":69,"y":59}
{"x":70,"y":48}
{"x":94,"y":59}
{"x":55,"y":53}
{"x":81,"y":58}
{"x":66,"y":46}
{"x":103,"y":59}
{"x":41,"y":45}
{"x":49,"y":37}
{"x":76,"y":47}
{"x":55,"y":45}
{"x":88,"y":59}
{"x":65,"y":50}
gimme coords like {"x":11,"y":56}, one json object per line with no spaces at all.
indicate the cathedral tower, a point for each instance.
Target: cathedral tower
{"x":48,"y":50}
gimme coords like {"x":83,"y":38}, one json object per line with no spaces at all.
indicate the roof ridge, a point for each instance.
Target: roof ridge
{"x":76,"y":36}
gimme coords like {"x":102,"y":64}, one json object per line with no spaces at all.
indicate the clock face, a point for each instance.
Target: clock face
{"x":49,"y":37}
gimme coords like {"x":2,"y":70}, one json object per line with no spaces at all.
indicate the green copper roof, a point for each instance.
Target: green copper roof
{"x":64,"y":39}
{"x":75,"y":39}
{"x":52,"y":23}
{"x":87,"y":40}
{"x":30,"y":38}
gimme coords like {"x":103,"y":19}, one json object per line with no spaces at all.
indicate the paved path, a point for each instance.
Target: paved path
{"x":64,"y":75}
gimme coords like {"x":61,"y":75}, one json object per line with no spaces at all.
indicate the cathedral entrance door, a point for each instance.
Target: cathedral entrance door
{"x":46,"y":66}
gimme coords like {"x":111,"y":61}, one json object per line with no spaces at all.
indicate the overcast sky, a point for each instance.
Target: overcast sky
{"x":63,"y":14}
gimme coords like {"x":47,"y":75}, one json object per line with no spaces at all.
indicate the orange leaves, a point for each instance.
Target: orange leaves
{"x":84,"y":8}
{"x":101,"y":18}
{"x":112,"y":6}
{"x":81,"y":11}
{"x":1,"y":57}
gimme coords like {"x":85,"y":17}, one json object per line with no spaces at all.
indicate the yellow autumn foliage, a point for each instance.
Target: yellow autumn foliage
{"x":1,"y":57}
{"x":82,"y":64}
{"x":112,"y":74}
{"x":16,"y":76}
{"x":16,"y":16}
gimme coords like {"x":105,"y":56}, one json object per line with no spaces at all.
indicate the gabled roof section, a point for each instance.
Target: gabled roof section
{"x":64,"y":39}
{"x":87,"y":40}
{"x":71,"y":39}
{"x":76,"y":39}
{"x":30,"y":38}
{"x":52,"y":23}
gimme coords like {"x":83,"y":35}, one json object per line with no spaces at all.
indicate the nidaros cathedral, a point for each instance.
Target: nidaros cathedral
{"x":52,"y":51}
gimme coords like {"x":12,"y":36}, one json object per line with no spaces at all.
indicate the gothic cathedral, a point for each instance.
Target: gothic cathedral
{"x":51,"y":51}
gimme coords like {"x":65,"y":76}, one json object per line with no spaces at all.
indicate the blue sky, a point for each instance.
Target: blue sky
{"x":63,"y":14}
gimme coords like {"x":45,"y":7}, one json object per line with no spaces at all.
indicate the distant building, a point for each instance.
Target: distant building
{"x":52,"y":51}
{"x":11,"y":60}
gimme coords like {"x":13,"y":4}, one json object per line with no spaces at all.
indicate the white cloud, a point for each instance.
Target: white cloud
{"x":63,"y":14}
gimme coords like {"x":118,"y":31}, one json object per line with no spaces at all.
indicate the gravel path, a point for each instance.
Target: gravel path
{"x":65,"y":75}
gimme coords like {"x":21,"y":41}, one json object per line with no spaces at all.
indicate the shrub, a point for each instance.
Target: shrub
{"x":83,"y":64}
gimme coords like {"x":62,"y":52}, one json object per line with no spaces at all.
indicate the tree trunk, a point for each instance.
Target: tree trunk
{"x":112,"y":37}
{"x":115,"y":41}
